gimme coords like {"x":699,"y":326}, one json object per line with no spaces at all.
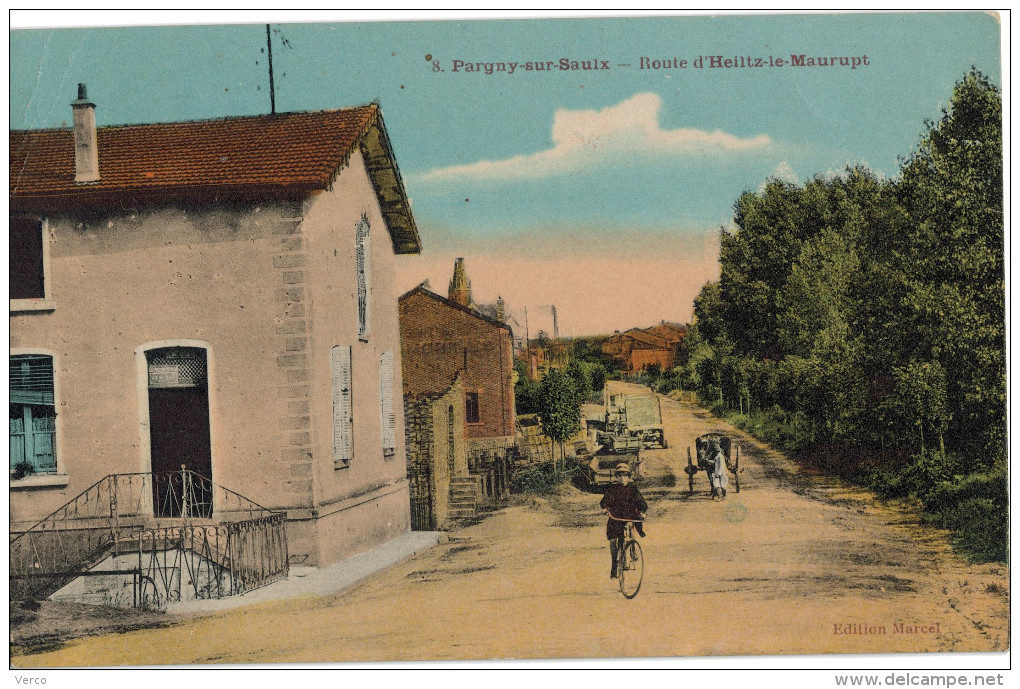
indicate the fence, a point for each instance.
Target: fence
{"x":173,"y":534}
{"x":495,"y":468}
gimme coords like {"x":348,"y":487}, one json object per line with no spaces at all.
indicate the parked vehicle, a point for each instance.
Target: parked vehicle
{"x":643,"y":418}
{"x":632,"y":422}
{"x":601,"y":470}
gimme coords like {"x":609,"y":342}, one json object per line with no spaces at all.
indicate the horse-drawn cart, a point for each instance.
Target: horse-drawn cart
{"x":705,"y":447}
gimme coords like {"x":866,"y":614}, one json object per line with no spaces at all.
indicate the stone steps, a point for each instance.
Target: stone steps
{"x":463,"y":496}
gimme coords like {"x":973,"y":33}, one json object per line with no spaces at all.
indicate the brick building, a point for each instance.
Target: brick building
{"x":217,"y":294}
{"x":441,"y":338}
{"x":639,"y":348}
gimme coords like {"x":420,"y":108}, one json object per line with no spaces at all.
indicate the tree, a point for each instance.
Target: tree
{"x":598,"y":377}
{"x":757,"y":259}
{"x":918,"y":401}
{"x":953,"y":262}
{"x":589,"y":349}
{"x":580,"y":374}
{"x":709,"y":325}
{"x":559,"y":406}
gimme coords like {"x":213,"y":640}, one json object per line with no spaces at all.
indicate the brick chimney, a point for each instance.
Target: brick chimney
{"x":460,"y":286}
{"x":86,"y":148}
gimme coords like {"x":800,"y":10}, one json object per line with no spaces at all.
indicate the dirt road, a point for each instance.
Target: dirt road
{"x":790,"y":565}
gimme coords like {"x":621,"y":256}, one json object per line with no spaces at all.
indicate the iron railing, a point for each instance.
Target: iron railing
{"x":175,"y":534}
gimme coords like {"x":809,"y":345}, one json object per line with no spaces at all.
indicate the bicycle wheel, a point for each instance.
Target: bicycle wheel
{"x":632,"y":566}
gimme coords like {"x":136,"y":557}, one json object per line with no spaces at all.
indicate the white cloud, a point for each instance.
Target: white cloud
{"x":587,"y":139}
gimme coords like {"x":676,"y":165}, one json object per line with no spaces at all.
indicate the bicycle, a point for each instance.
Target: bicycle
{"x":629,"y":559}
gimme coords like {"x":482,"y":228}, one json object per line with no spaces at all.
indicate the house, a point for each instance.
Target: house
{"x":455,"y":356}
{"x":672,"y":333}
{"x":640,"y":348}
{"x":443,"y":336}
{"x":216,"y":295}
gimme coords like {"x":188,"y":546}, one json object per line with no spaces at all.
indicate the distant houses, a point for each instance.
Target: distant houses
{"x":639,"y":349}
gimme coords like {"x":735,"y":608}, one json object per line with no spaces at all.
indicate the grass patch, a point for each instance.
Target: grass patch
{"x":540,"y":479}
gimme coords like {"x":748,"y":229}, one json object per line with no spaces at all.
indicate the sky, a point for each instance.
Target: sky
{"x":599,"y":191}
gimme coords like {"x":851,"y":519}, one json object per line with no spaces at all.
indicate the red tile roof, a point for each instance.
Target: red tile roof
{"x":671,"y":332}
{"x":287,"y":153}
{"x":647,"y":338}
{"x":296,"y":149}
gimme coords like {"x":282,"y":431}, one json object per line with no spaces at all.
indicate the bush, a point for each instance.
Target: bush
{"x":787,"y":431}
{"x":981,"y":526}
{"x":947,"y":494}
{"x":975,"y":506}
{"x":886,"y":484}
{"x":526,"y":395}
{"x":539,"y":479}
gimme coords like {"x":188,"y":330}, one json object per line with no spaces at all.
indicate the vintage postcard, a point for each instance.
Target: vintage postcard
{"x":467,"y":339}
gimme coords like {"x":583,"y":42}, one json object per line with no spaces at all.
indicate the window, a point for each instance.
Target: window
{"x":362,"y":257}
{"x":33,"y":415}
{"x":387,"y":418}
{"x":471,"y":408}
{"x":28,"y":264}
{"x":343,"y":417}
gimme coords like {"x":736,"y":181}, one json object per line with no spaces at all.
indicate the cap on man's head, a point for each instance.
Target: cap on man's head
{"x":623,"y":468}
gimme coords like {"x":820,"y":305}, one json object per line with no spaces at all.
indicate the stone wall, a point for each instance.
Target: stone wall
{"x":430,"y":461}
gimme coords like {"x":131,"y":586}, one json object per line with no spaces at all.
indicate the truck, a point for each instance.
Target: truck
{"x":643,"y":420}
{"x":632,"y":422}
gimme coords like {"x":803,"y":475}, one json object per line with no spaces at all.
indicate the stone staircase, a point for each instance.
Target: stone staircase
{"x":464,"y":492}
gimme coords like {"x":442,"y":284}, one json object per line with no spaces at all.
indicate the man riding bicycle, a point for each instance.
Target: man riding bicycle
{"x":623,"y":502}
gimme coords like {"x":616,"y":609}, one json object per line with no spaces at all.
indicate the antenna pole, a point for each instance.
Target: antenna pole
{"x":272,"y":89}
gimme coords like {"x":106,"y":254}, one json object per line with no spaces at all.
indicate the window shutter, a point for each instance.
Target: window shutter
{"x":343,"y":418}
{"x":387,"y":417}
{"x":26,"y":258}
{"x":31,"y":379}
{"x":363,"y":254}
{"x":32,"y":412}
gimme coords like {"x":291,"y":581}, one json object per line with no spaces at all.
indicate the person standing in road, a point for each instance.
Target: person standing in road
{"x":623,"y":502}
{"x":720,"y":480}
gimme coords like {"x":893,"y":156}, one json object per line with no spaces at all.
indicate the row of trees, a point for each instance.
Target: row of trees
{"x":861,"y":310}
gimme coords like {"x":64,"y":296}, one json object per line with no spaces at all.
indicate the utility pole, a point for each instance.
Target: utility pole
{"x":527,"y":339}
{"x":272,"y":89}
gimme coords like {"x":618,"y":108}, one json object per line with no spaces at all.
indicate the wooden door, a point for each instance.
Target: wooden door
{"x":179,"y":432}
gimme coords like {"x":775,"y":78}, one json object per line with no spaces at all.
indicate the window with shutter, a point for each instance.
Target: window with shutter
{"x":26,"y":258}
{"x":387,"y":418}
{"x":363,"y":255}
{"x":33,"y":415}
{"x":343,"y":417}
{"x":29,"y":264}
